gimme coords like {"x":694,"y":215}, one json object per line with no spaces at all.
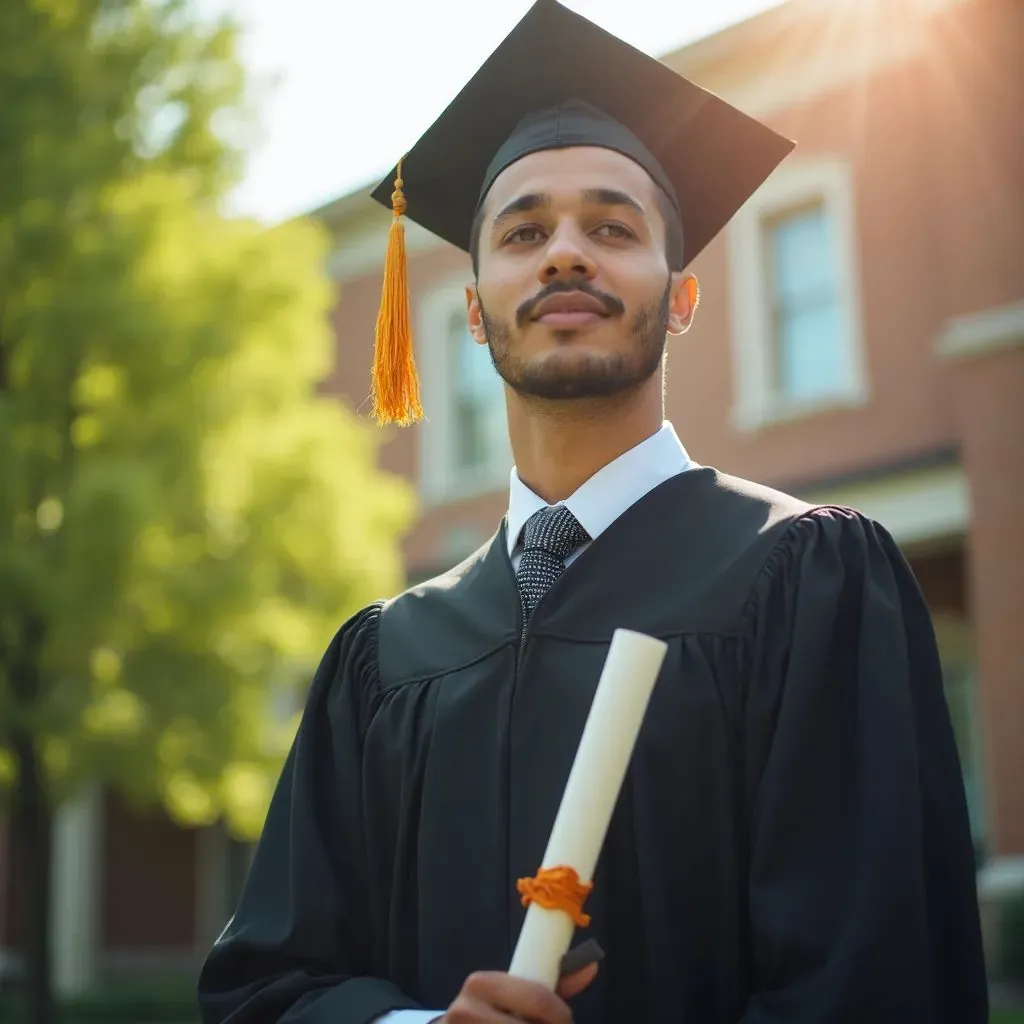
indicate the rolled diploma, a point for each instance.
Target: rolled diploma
{"x":598,"y":770}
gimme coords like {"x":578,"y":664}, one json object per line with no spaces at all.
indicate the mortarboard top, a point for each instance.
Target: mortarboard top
{"x":559,"y":80}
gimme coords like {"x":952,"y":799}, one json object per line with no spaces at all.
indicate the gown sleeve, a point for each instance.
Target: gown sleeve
{"x":298,"y":946}
{"x":862,"y":896}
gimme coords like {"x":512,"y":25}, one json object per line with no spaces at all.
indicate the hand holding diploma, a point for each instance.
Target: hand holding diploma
{"x":532,"y":990}
{"x":490,"y":997}
{"x":609,"y":736}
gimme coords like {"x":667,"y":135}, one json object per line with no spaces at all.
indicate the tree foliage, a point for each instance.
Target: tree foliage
{"x":184,"y":519}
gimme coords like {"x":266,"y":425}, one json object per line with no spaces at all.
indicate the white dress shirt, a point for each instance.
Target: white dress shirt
{"x":599,"y":501}
{"x":596,"y":504}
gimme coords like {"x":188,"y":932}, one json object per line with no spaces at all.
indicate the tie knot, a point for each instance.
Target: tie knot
{"x":554,"y":530}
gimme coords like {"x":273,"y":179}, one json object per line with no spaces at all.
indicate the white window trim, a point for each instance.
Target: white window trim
{"x":1001,"y":879}
{"x":211,"y":885}
{"x":77,"y":909}
{"x":439,"y":480}
{"x":814,"y":179}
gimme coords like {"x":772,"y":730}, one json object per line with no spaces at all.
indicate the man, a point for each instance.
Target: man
{"x":791,"y":841}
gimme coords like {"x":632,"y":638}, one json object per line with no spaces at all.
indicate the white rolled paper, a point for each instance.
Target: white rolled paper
{"x":599,"y":768}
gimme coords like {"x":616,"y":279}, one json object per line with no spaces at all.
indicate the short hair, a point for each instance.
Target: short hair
{"x":669,"y":214}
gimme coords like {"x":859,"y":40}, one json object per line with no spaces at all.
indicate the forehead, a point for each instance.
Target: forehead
{"x":568,"y":172}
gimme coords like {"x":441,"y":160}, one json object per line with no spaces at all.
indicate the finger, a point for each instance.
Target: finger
{"x":587,"y":952}
{"x":467,"y":1010}
{"x":526,"y":1000}
{"x":573,"y":984}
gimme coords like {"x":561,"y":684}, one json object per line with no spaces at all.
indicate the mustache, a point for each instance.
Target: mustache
{"x":612,"y":305}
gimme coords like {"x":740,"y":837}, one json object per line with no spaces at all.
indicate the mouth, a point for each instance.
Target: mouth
{"x":569,"y":310}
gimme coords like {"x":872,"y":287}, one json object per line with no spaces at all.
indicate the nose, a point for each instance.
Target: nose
{"x":566,"y":257}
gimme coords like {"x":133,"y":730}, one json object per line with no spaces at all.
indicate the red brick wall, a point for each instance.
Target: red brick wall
{"x":975,"y":84}
{"x":149,"y":888}
{"x":942,"y":577}
{"x":148,"y":883}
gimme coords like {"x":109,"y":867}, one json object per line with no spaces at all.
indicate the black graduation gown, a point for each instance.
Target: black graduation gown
{"x":791,"y":843}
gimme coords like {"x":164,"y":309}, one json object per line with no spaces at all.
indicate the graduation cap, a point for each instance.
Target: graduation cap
{"x":558,"y":80}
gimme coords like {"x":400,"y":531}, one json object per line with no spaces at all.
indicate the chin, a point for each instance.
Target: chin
{"x":594,"y":340}
{"x":572,"y":356}
{"x":573,"y":365}
{"x":594,"y":380}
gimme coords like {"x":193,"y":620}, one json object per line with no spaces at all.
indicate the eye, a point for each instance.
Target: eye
{"x":613,"y":229}
{"x":525,"y":233}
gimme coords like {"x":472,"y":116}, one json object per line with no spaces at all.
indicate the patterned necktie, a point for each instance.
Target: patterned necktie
{"x":549,"y":537}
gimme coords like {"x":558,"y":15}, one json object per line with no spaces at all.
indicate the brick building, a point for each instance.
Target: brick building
{"x":860,"y":340}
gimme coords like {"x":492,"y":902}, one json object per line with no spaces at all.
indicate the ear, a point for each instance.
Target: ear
{"x":683,"y":305}
{"x":475,"y":315}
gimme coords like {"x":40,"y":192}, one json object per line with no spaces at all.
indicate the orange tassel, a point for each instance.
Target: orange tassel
{"x":396,"y":385}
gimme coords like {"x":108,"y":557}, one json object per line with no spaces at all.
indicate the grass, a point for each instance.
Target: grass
{"x":140,"y":1000}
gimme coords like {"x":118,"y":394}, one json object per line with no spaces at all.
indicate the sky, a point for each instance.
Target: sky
{"x":344,"y":87}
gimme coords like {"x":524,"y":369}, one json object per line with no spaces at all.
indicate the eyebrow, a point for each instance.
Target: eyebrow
{"x":612,"y":197}
{"x":532,"y":201}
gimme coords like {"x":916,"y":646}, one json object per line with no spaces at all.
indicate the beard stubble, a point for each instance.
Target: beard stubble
{"x":606,"y":376}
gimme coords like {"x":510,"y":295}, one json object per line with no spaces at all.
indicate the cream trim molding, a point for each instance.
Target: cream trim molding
{"x":1001,"y":878}
{"x":981,"y":334}
{"x":359,"y":246}
{"x":916,"y":507}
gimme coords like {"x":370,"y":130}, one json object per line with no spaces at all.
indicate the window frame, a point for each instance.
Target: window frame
{"x":823,"y":181}
{"x":439,"y":477}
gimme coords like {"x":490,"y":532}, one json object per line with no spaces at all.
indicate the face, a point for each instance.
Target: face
{"x":574,"y":296}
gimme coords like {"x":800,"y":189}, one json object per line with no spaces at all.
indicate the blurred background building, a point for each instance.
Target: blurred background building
{"x":860,"y":341}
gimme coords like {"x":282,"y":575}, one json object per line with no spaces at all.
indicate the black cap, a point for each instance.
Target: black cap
{"x":559,"y":80}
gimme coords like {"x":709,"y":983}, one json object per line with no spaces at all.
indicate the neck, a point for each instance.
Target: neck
{"x":558,"y":446}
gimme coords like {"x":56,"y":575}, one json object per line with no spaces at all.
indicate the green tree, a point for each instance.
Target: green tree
{"x":184,"y":517}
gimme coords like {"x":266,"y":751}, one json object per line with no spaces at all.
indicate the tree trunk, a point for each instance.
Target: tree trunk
{"x":33,"y":825}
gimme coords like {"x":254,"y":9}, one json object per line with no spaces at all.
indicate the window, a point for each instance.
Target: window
{"x":807,"y":325}
{"x":464,"y":448}
{"x":476,"y":395}
{"x":794,"y":295}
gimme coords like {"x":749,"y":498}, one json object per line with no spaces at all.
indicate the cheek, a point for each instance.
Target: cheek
{"x":495,"y":297}
{"x":500,"y":304}
{"x":634,"y":274}
{"x":500,"y":274}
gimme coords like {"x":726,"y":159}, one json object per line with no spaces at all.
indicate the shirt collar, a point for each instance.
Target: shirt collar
{"x":599,"y":501}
